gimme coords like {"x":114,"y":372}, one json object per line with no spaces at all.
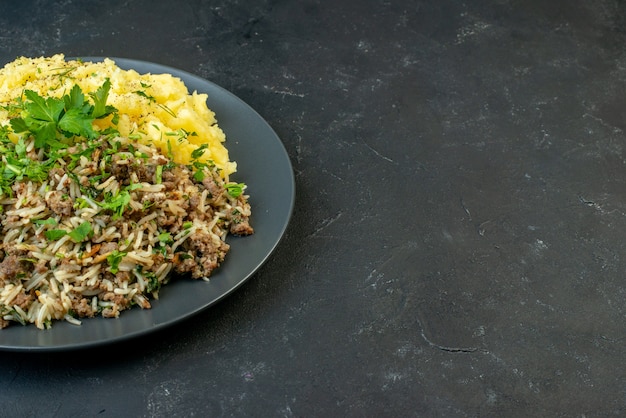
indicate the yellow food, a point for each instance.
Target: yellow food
{"x":157,"y":109}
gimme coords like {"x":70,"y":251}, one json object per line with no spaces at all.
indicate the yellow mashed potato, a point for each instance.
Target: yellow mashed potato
{"x":154,"y":108}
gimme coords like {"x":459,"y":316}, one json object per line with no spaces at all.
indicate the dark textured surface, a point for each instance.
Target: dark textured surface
{"x":457,"y":246}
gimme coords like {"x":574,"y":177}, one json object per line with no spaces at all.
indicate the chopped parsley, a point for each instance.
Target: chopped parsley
{"x":78,"y":234}
{"x":116,"y":203}
{"x":81,"y":232}
{"x":114,"y":260}
{"x":197,"y":153}
{"x":165,"y":238}
{"x":49,"y":221}
{"x":55,"y":234}
{"x":235,"y":189}
{"x":153,"y":284}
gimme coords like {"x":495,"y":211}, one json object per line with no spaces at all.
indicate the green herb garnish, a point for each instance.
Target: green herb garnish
{"x":114,"y":260}
{"x":81,"y":232}
{"x":50,"y":120}
{"x":235,"y":189}
{"x":165,"y":238}
{"x":197,"y":153}
{"x":55,"y":234}
{"x":49,"y":221}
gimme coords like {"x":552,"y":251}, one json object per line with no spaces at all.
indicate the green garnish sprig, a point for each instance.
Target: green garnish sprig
{"x":53,"y":120}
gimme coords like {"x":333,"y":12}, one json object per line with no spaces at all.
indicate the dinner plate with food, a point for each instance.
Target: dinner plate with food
{"x":132,"y":196}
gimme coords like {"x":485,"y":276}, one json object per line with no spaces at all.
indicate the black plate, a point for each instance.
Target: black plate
{"x":262,"y":163}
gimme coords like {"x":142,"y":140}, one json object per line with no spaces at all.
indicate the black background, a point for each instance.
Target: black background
{"x":457,"y":244}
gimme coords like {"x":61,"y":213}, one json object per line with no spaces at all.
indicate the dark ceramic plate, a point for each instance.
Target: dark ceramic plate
{"x":262,"y":163}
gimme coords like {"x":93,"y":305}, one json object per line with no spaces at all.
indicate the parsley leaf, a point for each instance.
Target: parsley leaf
{"x":55,"y":234}
{"x":165,"y":238}
{"x":76,"y":122}
{"x":76,"y":99}
{"x":114,"y":260}
{"x":49,"y":221}
{"x":198,"y":176}
{"x":117,"y":203}
{"x":46,"y":110}
{"x":18,"y":125}
{"x":71,"y":115}
{"x":81,"y":232}
{"x":100,"y":108}
{"x":235,"y":189}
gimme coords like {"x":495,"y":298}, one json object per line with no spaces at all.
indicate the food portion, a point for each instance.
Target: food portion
{"x":156,"y":109}
{"x":110,"y":183}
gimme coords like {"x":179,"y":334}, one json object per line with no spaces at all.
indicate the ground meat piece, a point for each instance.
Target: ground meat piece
{"x":194,"y":201}
{"x":82,"y":308}
{"x":54,"y":172}
{"x":241,"y":228}
{"x":186,"y":266}
{"x":120,"y":303}
{"x":174,"y":177}
{"x":18,"y":251}
{"x":210,"y":252}
{"x":208,"y":264}
{"x":207,"y":214}
{"x":4,"y":323}
{"x":157,"y":259}
{"x":81,"y":305}
{"x":107,"y":247}
{"x":112,"y":312}
{"x":14,"y":250}
{"x":68,"y":266}
{"x":115,"y":298}
{"x":200,"y":241}
{"x":145,"y":173}
{"x":23,"y":300}
{"x":211,"y":261}
{"x":11,"y":219}
{"x":166,"y":221}
{"x":215,"y":190}
{"x":60,"y":203}
{"x":122,"y":276}
{"x":119,"y":167}
{"x":11,"y":266}
{"x":159,"y":159}
{"x":240,"y":223}
{"x":41,"y":266}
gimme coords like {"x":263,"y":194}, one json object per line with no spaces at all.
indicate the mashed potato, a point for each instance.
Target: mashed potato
{"x":154,"y":108}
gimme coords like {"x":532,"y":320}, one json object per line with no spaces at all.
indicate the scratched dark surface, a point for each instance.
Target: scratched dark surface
{"x":457,"y":246}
